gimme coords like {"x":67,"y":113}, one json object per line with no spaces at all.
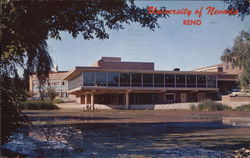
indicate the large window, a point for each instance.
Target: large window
{"x":147,"y":80}
{"x":113,"y":79}
{"x":191,"y":80}
{"x":159,"y":80}
{"x":180,"y":81}
{"x":136,"y":79}
{"x":88,"y":78}
{"x":201,"y":80}
{"x":170,"y":80}
{"x":211,"y":81}
{"x":124,"y":79}
{"x":101,"y":78}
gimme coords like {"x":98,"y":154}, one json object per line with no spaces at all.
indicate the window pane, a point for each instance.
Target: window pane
{"x":113,"y":78}
{"x":211,"y":81}
{"x":159,"y":80}
{"x":191,"y":80}
{"x":101,"y":78}
{"x":180,"y":80}
{"x":125,"y":80}
{"x":147,"y":80}
{"x":170,"y":97}
{"x":201,"y":80}
{"x":169,"y":80}
{"x":136,"y":80}
{"x":88,"y":78}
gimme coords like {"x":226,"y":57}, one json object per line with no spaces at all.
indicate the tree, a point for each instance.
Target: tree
{"x":51,"y":93}
{"x":241,"y":5}
{"x":26,"y":25}
{"x":239,"y":55}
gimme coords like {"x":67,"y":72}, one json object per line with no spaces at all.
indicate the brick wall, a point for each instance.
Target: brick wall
{"x":126,"y":65}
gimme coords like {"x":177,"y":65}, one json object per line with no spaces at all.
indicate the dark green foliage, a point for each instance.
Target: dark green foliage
{"x":11,"y":95}
{"x":210,"y":106}
{"x":58,"y":101}
{"x":241,"y":5}
{"x":239,"y":55}
{"x":38,"y":105}
{"x":245,"y":107}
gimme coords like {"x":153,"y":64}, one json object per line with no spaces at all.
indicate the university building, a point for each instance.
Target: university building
{"x":55,"y":81}
{"x":111,"y":81}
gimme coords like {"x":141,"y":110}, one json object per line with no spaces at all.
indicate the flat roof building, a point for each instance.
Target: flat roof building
{"x":112,"y":81}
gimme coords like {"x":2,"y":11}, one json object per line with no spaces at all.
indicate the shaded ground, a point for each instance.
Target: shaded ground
{"x":114,"y":133}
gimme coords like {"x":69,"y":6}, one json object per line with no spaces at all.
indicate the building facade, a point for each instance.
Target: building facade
{"x":55,"y":81}
{"x":112,"y":81}
{"x":227,"y":77}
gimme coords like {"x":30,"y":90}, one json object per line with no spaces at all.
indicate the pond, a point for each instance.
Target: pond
{"x":130,"y":139}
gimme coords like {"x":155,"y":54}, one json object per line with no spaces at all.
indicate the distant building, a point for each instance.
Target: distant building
{"x":55,"y":81}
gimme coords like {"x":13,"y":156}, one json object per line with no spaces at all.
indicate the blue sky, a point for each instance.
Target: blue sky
{"x":172,"y":45}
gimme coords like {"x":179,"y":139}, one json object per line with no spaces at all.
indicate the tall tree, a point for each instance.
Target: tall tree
{"x":239,"y":55}
{"x":26,"y":25}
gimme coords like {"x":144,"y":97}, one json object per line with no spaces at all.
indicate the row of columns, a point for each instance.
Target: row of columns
{"x":92,"y":99}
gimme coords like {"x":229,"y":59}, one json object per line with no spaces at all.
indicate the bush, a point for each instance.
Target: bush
{"x":58,"y":101}
{"x":210,"y":106}
{"x":245,"y":107}
{"x":51,"y":93}
{"x":38,"y":105}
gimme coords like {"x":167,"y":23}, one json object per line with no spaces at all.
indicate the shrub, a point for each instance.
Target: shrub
{"x":210,"y":106}
{"x":58,"y":101}
{"x":51,"y":93}
{"x":38,"y":105}
{"x":245,"y":107}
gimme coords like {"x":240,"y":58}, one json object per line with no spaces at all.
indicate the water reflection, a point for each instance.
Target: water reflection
{"x":179,"y":139}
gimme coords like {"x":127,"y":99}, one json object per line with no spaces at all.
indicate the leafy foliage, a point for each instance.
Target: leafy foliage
{"x":241,"y":5}
{"x":51,"y":93}
{"x":11,"y":96}
{"x":38,"y":105}
{"x":210,"y":106}
{"x":239,"y":55}
{"x":245,"y":107}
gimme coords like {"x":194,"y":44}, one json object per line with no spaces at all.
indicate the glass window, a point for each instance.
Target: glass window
{"x":211,"y":81}
{"x":147,"y":80}
{"x":136,"y":80}
{"x":101,"y":78}
{"x":159,"y":80}
{"x":113,"y":79}
{"x":201,"y":80}
{"x":191,"y":80}
{"x":170,"y":80}
{"x":180,"y":80}
{"x":170,"y":97}
{"x":88,"y":78}
{"x":124,"y":79}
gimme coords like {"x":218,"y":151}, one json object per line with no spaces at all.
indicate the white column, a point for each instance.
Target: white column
{"x":127,"y":100}
{"x":86,"y":99}
{"x":92,"y":100}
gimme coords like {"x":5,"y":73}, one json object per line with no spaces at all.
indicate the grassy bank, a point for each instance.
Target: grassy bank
{"x":210,"y":106}
{"x":38,"y":105}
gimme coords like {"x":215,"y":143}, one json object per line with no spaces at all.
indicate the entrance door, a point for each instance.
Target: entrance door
{"x":183,"y":97}
{"x":201,"y":97}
